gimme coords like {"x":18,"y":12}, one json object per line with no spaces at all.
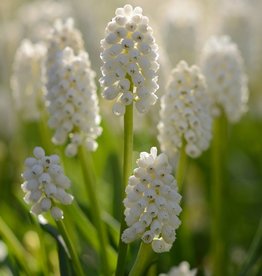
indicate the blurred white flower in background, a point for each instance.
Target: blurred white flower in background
{"x":27,"y":79}
{"x":63,"y":34}
{"x":37,"y":17}
{"x":182,"y":270}
{"x":8,"y":122}
{"x":181,"y":31}
{"x":223,"y":68}
{"x":152,"y":203}
{"x":71,"y":91}
{"x":185,"y":113}
{"x":237,"y":22}
{"x":130,"y":61}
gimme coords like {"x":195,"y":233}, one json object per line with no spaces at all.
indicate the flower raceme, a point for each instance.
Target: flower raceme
{"x":222,"y":66}
{"x":72,"y":98}
{"x":185,"y":113}
{"x":27,"y":83}
{"x":130,"y":61}
{"x":152,"y":203}
{"x":45,"y":184}
{"x":73,"y":108}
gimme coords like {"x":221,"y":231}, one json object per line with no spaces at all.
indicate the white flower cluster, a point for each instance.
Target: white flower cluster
{"x":130,"y":61}
{"x":182,"y":270}
{"x":72,"y":99}
{"x":45,"y":184}
{"x":26,"y":82}
{"x":64,"y":34}
{"x":227,"y":83}
{"x":73,"y":103}
{"x":185,"y":113}
{"x":152,"y":203}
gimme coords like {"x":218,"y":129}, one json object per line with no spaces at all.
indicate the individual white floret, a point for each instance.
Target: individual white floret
{"x":182,"y":270}
{"x":185,"y":113}
{"x":130,"y":61}
{"x":71,"y":91}
{"x":150,"y":212}
{"x":27,"y":82}
{"x":45,"y":184}
{"x":222,"y":66}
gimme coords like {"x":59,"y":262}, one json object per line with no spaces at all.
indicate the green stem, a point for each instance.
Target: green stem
{"x":127,"y":171}
{"x":90,"y":181}
{"x":144,"y":259}
{"x":43,"y":249}
{"x":253,"y":252}
{"x":181,"y":167}
{"x":185,"y":232}
{"x":78,"y":268}
{"x":217,"y":241}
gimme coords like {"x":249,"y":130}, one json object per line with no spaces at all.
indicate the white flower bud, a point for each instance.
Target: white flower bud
{"x":45,"y":204}
{"x":39,"y":153}
{"x":56,"y":213}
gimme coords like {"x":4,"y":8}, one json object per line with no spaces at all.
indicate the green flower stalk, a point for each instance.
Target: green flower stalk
{"x":129,"y":76}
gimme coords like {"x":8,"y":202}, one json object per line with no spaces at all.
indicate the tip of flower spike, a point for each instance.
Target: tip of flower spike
{"x":130,"y":60}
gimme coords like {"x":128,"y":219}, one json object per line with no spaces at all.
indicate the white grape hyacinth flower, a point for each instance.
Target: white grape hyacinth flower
{"x":182,"y":270}
{"x":152,"y":203}
{"x":63,"y":34}
{"x":129,"y":61}
{"x":185,"y":115}
{"x":27,"y":79}
{"x":73,"y":103}
{"x":45,"y":184}
{"x":223,"y":68}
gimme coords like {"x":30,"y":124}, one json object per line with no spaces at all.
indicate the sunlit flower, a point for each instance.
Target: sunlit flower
{"x":73,"y":103}
{"x":182,"y":270}
{"x":45,"y":184}
{"x":152,"y":203}
{"x":71,"y":90}
{"x":27,"y":79}
{"x":130,"y":61}
{"x":185,"y":113}
{"x":227,"y":83}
